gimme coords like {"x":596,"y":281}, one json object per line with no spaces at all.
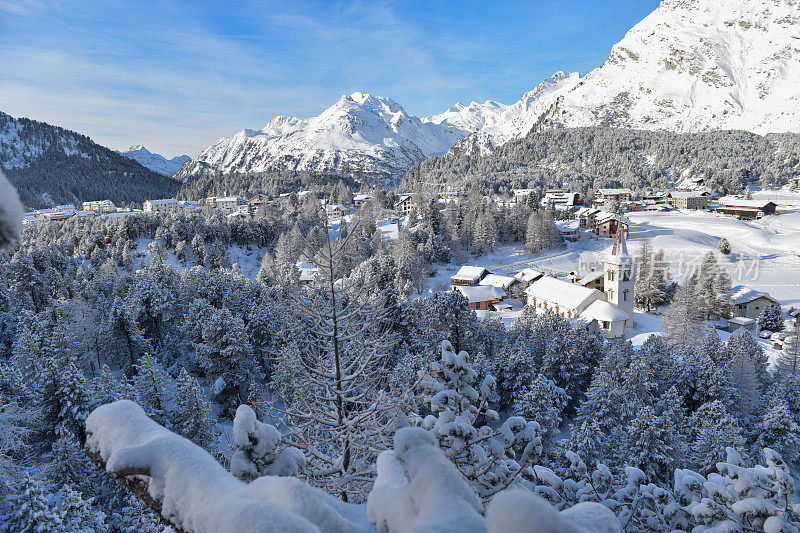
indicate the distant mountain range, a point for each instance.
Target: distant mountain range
{"x":155,"y":162}
{"x":50,"y":165}
{"x":690,"y":66}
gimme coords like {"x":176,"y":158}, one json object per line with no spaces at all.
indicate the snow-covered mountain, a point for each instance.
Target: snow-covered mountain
{"x":502,"y":122}
{"x":155,"y":162}
{"x":690,"y":66}
{"x":698,"y":65}
{"x":359,"y":134}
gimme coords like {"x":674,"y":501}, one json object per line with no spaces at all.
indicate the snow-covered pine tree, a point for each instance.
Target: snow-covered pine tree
{"x":78,"y":514}
{"x":724,"y":246}
{"x":682,"y":321}
{"x":771,"y":318}
{"x":544,"y":402}
{"x":779,"y":431}
{"x":190,"y":413}
{"x":151,"y":384}
{"x":714,"y":431}
{"x":490,"y":459}
{"x":31,"y":511}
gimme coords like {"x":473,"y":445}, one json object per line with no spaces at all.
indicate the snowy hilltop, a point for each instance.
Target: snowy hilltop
{"x":155,"y":162}
{"x":698,"y":65}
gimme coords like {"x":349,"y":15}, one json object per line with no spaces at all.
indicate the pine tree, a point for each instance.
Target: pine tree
{"x":771,"y":318}
{"x":150,"y":384}
{"x":715,"y":429}
{"x":683,"y":320}
{"x":77,"y":513}
{"x":32,"y":513}
{"x":190,"y":413}
{"x":650,"y":445}
{"x":543,"y":402}
{"x":779,"y":431}
{"x":724,"y":246}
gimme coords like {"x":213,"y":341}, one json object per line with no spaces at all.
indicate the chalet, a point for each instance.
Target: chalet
{"x":688,"y":199}
{"x":404,"y":203}
{"x":335,"y":211}
{"x":528,"y":275}
{"x":635,"y":205}
{"x":510,"y":285}
{"x":308,"y":272}
{"x":211,"y":202}
{"x":749,"y":303}
{"x":656,"y":197}
{"x":259,"y":200}
{"x":232,"y":204}
{"x":160,"y":206}
{"x":468,"y":276}
{"x":100,"y":206}
{"x":360,"y":200}
{"x":570,"y":229}
{"x":795,"y":314}
{"x":614,"y":195}
{"x":744,"y":209}
{"x":606,"y":319}
{"x":53,"y":215}
{"x":587,"y":217}
{"x":521,"y":195}
{"x":607,"y":224}
{"x":482,"y":297}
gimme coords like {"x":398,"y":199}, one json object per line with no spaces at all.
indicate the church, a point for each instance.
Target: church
{"x":608,"y":312}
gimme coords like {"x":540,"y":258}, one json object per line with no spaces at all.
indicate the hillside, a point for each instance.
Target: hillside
{"x":51,"y":165}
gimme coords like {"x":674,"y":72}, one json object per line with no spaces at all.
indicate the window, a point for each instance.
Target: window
{"x":610,"y":275}
{"x":610,"y":293}
{"x":626,"y":275}
{"x":625,"y":295}
{"x":606,"y":325}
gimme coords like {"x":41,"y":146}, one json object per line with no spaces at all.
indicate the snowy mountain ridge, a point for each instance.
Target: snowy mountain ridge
{"x":155,"y":162}
{"x":689,"y":66}
{"x":359,"y":134}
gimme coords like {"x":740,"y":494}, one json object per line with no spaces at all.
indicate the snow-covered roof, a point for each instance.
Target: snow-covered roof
{"x":528,"y":274}
{"x":469,"y":273}
{"x":560,"y":292}
{"x":569,"y":226}
{"x":741,"y":320}
{"x":687,"y":194}
{"x":231,"y":199}
{"x":605,"y":192}
{"x":731,"y":201}
{"x":604,"y":311}
{"x":307,"y":271}
{"x":522,"y":192}
{"x":604,"y":216}
{"x":590,"y":277}
{"x":362,"y":197}
{"x":495,"y":280}
{"x":795,"y":313}
{"x":334,"y":207}
{"x":163,"y":201}
{"x":742,"y":294}
{"x":481,"y":293}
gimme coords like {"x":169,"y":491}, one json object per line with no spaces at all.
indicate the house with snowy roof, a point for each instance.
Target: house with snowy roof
{"x":510,"y":285}
{"x":404,"y":203}
{"x":744,"y":209}
{"x":160,"y":206}
{"x":609,"y":311}
{"x":749,"y":303}
{"x":482,"y":297}
{"x":526,"y":276}
{"x":468,"y":276}
{"x":360,"y":200}
{"x":613,"y":195}
{"x":606,"y":224}
{"x":689,"y":199}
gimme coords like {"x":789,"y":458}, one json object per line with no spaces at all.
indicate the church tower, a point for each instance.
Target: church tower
{"x":619,"y":282}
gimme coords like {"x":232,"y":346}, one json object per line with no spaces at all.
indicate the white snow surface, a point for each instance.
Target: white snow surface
{"x":155,"y":162}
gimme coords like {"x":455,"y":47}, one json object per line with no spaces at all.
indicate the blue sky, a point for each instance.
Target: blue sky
{"x":177,"y":75}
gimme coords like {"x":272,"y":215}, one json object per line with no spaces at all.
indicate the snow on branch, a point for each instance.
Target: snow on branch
{"x":417,"y":488}
{"x":195,"y":493}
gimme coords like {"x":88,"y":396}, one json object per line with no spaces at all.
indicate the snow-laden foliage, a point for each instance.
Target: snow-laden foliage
{"x":257,"y":450}
{"x":491,"y":459}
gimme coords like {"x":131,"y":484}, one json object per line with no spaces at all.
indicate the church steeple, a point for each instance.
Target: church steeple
{"x":619,"y":282}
